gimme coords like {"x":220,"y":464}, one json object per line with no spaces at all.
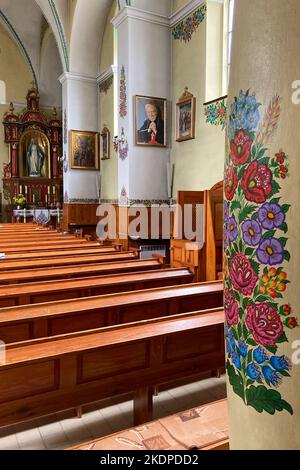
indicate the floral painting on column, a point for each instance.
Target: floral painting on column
{"x":256,"y":257}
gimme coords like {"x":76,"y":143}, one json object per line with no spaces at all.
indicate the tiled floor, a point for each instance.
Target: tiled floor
{"x":64,"y":433}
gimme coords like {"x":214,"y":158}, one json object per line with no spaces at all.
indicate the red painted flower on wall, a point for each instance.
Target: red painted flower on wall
{"x":242,"y":275}
{"x":265,"y":324}
{"x":231,"y":308}
{"x":240,"y":148}
{"x":231,"y":183}
{"x":257,"y":182}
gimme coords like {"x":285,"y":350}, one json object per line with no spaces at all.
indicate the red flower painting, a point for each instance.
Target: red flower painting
{"x":240,"y":148}
{"x":265,"y":324}
{"x":242,"y":275}
{"x":231,"y":182}
{"x":257,"y":182}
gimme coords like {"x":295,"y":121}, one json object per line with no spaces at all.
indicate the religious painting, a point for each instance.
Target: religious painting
{"x":150,"y":121}
{"x":185,"y":117}
{"x":84,"y":150}
{"x":105,"y":144}
{"x":34,"y":156}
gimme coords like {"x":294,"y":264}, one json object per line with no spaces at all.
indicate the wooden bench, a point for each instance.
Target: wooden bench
{"x":56,"y":318}
{"x":46,"y":376}
{"x":59,"y":253}
{"x":73,"y":272}
{"x":205,"y":427}
{"x":23,"y":294}
{"x":66,"y":261}
{"x":42,"y":246}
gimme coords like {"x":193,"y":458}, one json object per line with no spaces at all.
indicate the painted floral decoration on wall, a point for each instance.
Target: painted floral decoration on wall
{"x":65,"y":127}
{"x":189,"y":25}
{"x":123,"y":146}
{"x":256,"y":256}
{"x":123,"y":94}
{"x":123,"y":197}
{"x":216,"y":113}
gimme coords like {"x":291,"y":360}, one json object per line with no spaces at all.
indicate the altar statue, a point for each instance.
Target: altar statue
{"x":35,"y":159}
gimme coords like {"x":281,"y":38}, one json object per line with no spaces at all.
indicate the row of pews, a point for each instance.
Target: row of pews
{"x":82,"y":322}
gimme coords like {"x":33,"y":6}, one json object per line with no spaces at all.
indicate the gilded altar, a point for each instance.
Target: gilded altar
{"x":35,"y":145}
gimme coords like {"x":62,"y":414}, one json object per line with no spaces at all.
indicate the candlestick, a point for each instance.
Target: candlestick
{"x":58,"y":216}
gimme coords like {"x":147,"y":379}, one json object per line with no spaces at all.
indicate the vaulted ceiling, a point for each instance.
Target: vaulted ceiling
{"x":57,"y":36}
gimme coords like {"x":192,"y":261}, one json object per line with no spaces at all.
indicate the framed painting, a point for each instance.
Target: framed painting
{"x":150,"y":124}
{"x":84,"y":150}
{"x":185,"y":117}
{"x":105,"y":144}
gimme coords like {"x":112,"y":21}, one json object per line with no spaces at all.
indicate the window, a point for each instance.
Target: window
{"x":2,"y":92}
{"x":228,"y":30}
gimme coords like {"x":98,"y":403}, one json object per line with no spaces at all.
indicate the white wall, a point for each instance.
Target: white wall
{"x":81,"y":104}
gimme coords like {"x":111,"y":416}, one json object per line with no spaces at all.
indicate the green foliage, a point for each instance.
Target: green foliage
{"x":262,"y":399}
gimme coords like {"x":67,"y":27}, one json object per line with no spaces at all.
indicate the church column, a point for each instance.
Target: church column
{"x":144,"y":55}
{"x":262,"y":221}
{"x":80,"y":111}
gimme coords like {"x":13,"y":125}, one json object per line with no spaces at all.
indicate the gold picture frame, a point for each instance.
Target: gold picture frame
{"x":84,"y":150}
{"x":105,"y":144}
{"x":185,"y":117}
{"x":150,"y":114}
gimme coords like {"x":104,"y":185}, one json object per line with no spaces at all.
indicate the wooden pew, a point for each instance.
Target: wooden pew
{"x":73,"y":272}
{"x":59,"y":253}
{"x":205,"y":427}
{"x":46,"y":376}
{"x":57,"y":318}
{"x":50,"y":291}
{"x":46,"y":246}
{"x":66,"y":260}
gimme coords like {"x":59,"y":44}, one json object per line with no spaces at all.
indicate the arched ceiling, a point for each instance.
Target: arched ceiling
{"x":77,"y":26}
{"x":28,"y":27}
{"x":86,"y":35}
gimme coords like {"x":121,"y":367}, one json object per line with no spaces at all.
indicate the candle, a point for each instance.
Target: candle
{"x":20,"y":189}
{"x":46,"y":199}
{"x":49,"y":190}
{"x":24,"y":216}
{"x":26,"y":190}
{"x":58,"y":216}
{"x":54,"y":190}
{"x":33,"y":198}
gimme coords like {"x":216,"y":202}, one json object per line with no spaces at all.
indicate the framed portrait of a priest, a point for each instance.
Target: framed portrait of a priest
{"x":150,"y":121}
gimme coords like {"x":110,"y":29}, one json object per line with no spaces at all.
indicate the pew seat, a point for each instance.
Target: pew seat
{"x":49,"y":375}
{"x":204,"y":427}
{"x":86,"y":270}
{"x":39,"y":247}
{"x":38,"y":292}
{"x":26,"y":322}
{"x":59,"y":253}
{"x":14,"y":265}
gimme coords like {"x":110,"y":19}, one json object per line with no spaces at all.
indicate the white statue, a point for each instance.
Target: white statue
{"x":35,"y":159}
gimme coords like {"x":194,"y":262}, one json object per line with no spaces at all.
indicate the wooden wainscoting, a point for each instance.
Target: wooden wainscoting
{"x":84,"y":214}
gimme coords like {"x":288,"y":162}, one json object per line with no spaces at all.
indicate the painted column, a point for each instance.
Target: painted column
{"x":262,"y":222}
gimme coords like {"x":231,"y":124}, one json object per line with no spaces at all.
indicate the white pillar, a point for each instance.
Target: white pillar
{"x":80,"y":108}
{"x":144,"y":53}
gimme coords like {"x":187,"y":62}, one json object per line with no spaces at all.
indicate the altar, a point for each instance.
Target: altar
{"x":34,"y":168}
{"x":42,"y":216}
